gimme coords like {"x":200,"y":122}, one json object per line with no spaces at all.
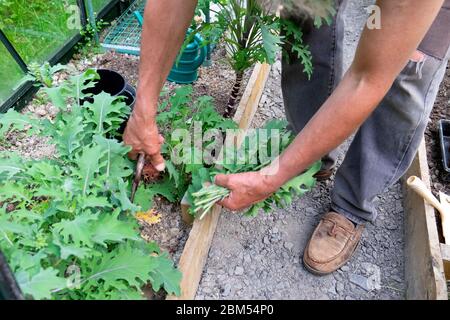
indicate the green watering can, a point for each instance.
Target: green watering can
{"x":185,"y":69}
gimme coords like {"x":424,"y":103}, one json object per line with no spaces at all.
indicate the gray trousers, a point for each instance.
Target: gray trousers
{"x":385,"y":145}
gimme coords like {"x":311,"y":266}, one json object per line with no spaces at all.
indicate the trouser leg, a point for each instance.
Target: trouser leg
{"x":303,"y":96}
{"x":385,"y":145}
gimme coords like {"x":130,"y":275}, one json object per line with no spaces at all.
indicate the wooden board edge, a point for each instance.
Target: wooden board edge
{"x":187,"y":218}
{"x":424,"y":270}
{"x":196,"y":249}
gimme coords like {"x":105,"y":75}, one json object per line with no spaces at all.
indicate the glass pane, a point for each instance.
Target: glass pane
{"x":39,"y":28}
{"x":99,"y":4}
{"x":10,"y":74}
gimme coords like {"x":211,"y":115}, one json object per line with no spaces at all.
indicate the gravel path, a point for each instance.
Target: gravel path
{"x":260,"y":258}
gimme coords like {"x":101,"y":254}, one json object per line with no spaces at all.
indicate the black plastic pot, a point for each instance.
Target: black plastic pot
{"x":110,"y":82}
{"x":130,"y":99}
{"x":444,"y":133}
{"x":115,"y":84}
{"x":130,"y":96}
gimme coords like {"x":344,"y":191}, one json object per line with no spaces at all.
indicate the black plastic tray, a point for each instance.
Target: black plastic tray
{"x":444,"y":133}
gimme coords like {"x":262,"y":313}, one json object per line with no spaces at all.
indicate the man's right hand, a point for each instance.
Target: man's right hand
{"x":142,"y":135}
{"x":163,"y":32}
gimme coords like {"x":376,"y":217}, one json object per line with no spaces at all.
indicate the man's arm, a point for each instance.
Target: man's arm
{"x":380,"y":57}
{"x":165,"y":24}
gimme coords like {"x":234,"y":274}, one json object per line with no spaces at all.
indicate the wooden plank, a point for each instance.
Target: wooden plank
{"x":195,"y":253}
{"x":445,"y":251}
{"x":424,"y":270}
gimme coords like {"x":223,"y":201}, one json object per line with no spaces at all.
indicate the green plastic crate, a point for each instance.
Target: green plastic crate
{"x":125,"y":36}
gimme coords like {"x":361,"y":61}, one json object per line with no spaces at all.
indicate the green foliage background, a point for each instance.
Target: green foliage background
{"x":67,"y":226}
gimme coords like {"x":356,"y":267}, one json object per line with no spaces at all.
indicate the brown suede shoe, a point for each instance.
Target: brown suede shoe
{"x":332,"y":244}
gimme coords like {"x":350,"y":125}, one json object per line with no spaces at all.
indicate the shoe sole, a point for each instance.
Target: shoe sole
{"x":323,"y":176}
{"x":321,"y":273}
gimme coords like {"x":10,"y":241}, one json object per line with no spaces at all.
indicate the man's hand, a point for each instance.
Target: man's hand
{"x":246,"y":189}
{"x":143,"y":136}
{"x":163,"y":32}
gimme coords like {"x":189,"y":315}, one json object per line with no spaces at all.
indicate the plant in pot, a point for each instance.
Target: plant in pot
{"x":253,"y":33}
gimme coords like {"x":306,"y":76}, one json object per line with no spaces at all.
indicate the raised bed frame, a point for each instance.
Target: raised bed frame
{"x":427,"y":261}
{"x":196,"y":249}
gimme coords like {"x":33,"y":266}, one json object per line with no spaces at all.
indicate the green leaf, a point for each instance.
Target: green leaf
{"x":55,"y":94}
{"x":45,"y":172}
{"x":70,"y":135}
{"x":126,"y":264}
{"x":41,"y":285}
{"x":16,"y":191}
{"x":165,"y":188}
{"x":302,"y":183}
{"x":271,"y":41}
{"x":305,"y":56}
{"x":123,"y":196}
{"x":126,"y":293}
{"x":93,"y":201}
{"x":173,"y":172}
{"x":145,"y":194}
{"x":109,"y":228}
{"x":8,"y":228}
{"x":165,"y":275}
{"x":143,"y":198}
{"x":69,"y":250}
{"x":77,"y":84}
{"x":105,"y":111}
{"x":21,"y":260}
{"x":15,"y":120}
{"x":10,"y":166}
{"x":88,"y":165}
{"x":115,"y":154}
{"x":275,"y":124}
{"x":78,"y":230}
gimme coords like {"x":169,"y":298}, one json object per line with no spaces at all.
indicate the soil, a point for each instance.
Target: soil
{"x":31,"y":147}
{"x":149,"y":173}
{"x":171,"y":233}
{"x":441,"y":110}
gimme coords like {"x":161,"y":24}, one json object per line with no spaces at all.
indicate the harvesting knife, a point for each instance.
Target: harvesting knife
{"x":137,"y":175}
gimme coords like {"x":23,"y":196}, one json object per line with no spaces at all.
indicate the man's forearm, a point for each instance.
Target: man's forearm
{"x":165,"y":24}
{"x":330,"y":126}
{"x":380,"y":57}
